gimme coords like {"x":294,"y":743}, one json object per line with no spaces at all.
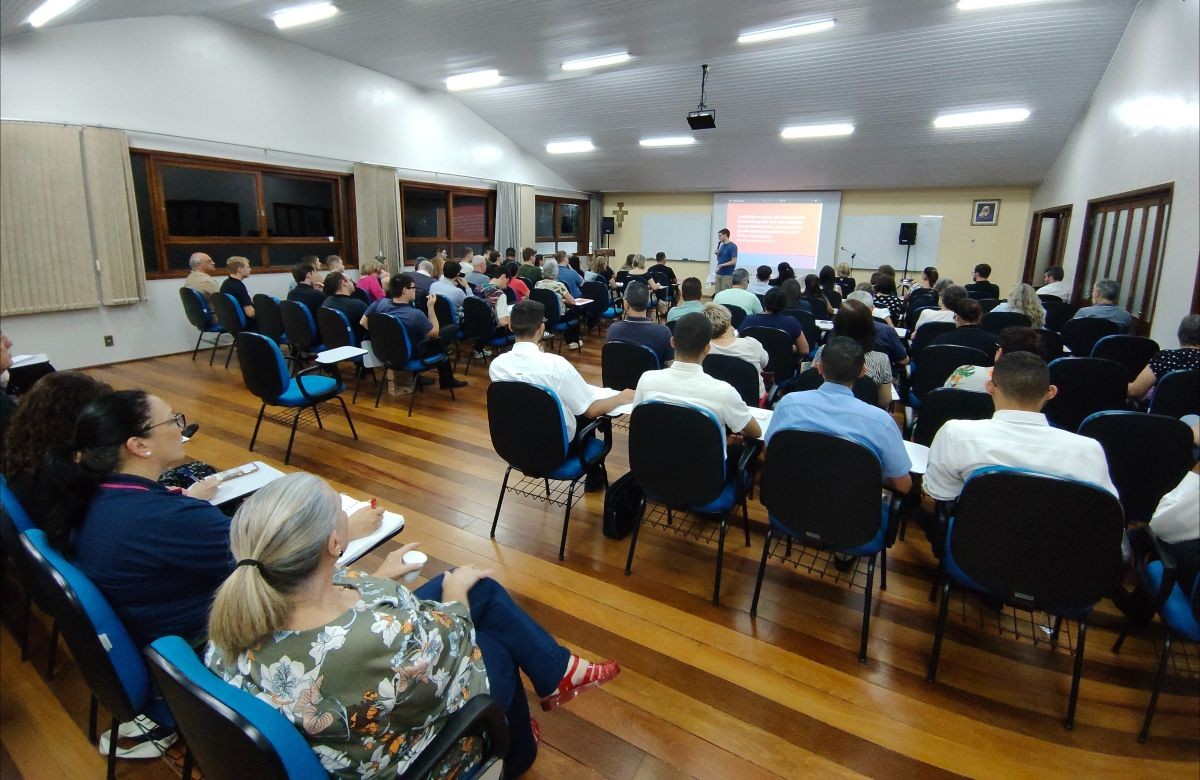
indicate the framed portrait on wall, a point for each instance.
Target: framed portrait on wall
{"x":985,"y":212}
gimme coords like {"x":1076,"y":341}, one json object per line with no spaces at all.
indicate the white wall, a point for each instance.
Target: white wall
{"x":226,"y":91}
{"x":1158,"y":59}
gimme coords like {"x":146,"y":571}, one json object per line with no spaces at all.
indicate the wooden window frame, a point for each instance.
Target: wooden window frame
{"x":1059,"y":254}
{"x":581,"y":228}
{"x":448,"y":240}
{"x":343,"y":210}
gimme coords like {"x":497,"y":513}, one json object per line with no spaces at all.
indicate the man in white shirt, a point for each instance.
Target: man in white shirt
{"x":686,"y":382}
{"x":739,"y":295}
{"x":1053,"y":284}
{"x":526,"y":362}
{"x":1017,"y":436}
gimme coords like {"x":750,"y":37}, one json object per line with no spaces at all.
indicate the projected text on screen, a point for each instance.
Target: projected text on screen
{"x":769,"y":228}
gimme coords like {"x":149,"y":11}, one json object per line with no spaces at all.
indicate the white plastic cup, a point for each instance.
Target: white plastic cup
{"x":411,"y":557}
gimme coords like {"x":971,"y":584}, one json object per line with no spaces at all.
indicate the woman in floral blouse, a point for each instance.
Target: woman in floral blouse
{"x":368,"y":671}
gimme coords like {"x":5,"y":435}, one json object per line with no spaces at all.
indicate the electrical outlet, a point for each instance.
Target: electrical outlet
{"x":972,"y":243}
{"x":108,"y":341}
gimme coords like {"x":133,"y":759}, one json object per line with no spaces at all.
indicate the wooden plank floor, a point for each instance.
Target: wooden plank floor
{"x":706,"y":691}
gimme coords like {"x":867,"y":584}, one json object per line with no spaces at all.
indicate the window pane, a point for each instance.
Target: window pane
{"x":546,"y":247}
{"x":1134,"y":224}
{"x":545,"y":219}
{"x":204,"y":202}
{"x":568,"y":218}
{"x":470,"y":217}
{"x":178,"y":254}
{"x":141,"y":193}
{"x":425,"y":249}
{"x":424,"y":213}
{"x":285,"y":255}
{"x":298,"y":207}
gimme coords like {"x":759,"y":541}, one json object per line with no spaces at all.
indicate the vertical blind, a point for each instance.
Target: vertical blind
{"x":377,"y":208}
{"x":113,"y":211}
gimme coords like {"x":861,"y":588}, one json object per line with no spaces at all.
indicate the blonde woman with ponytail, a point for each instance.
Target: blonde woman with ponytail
{"x":368,"y":671}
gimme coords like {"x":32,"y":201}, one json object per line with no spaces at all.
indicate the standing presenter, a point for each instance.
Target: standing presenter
{"x":726,"y":260}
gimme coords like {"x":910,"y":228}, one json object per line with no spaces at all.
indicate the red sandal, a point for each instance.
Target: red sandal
{"x":597,"y":674}
{"x":537,"y":731}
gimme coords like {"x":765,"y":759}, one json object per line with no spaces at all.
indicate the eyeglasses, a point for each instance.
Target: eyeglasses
{"x":177,"y":418}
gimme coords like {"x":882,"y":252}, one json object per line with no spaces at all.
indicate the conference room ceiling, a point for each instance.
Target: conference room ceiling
{"x":889,"y":67}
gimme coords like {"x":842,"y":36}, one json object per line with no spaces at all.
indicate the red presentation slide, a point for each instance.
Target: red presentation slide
{"x":770,"y":233}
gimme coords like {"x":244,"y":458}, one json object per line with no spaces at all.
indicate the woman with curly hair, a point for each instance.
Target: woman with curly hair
{"x":1023,"y":299}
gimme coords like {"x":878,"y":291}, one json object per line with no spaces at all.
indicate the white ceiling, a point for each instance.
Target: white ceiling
{"x":889,"y":66}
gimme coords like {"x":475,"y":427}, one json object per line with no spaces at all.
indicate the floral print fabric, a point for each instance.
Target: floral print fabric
{"x":371,"y":689}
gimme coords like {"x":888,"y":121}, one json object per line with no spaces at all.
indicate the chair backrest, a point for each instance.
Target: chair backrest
{"x":913,"y":313}
{"x":736,"y":372}
{"x":808,"y":324}
{"x":781,"y":350}
{"x":938,"y":363}
{"x":230,"y":313}
{"x":1049,"y":298}
{"x":13,"y":508}
{"x":1041,"y":542}
{"x":1058,"y":313}
{"x":390,"y":340}
{"x":298,"y":324}
{"x":847,"y":517}
{"x":231,"y":733}
{"x":444,"y":311}
{"x":809,"y":379}
{"x":269,"y":318}
{"x":527,"y":425}
{"x":677,"y":452}
{"x":477,"y":319}
{"x":1177,"y":394}
{"x":550,"y":301}
{"x":987,"y":304}
{"x":925,"y":335}
{"x":263,"y":368}
{"x":1051,"y":344}
{"x":622,"y":364}
{"x":1081,"y":335}
{"x":1147,"y":455}
{"x":736,"y":313}
{"x":949,"y":403}
{"x":335,"y":328}
{"x":597,"y":291}
{"x":864,"y":387}
{"x":101,"y":646}
{"x":1085,"y":386}
{"x":1133,"y":352}
{"x":996,"y":321}
{"x":195,"y":308}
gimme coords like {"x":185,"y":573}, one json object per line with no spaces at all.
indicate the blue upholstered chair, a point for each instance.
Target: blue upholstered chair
{"x":269,"y":316}
{"x":392,"y":345}
{"x":195,"y":307}
{"x":231,"y":317}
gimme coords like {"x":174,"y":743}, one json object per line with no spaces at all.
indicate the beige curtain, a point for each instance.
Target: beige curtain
{"x":377,"y":207}
{"x":526,"y":216}
{"x":46,"y":261}
{"x":114,"y":218}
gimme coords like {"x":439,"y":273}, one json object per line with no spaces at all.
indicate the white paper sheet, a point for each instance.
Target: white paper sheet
{"x":391,"y":525}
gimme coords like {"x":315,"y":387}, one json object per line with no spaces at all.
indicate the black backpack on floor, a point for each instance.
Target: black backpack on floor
{"x":624,"y":503}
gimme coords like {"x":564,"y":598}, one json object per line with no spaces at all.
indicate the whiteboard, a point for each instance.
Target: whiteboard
{"x":875,"y":242}
{"x":679,"y":235}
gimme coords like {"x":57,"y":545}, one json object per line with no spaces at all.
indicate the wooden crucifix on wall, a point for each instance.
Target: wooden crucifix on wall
{"x":620,"y":213}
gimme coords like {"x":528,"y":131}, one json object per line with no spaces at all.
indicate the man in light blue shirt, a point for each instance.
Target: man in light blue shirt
{"x":452,"y":286}
{"x":738,"y":295}
{"x":833,"y":409}
{"x":566,"y":274}
{"x":691,"y":289}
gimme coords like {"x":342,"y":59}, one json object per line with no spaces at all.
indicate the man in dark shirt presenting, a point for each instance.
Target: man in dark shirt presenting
{"x":305,"y":292}
{"x":637,"y":328}
{"x":422,"y":327}
{"x":235,"y":285}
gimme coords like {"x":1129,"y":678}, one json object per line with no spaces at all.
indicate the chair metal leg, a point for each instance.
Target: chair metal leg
{"x":720,"y":560}
{"x":1116,"y":648}
{"x":632,"y":544}
{"x":213,"y":354}
{"x":1158,"y":681}
{"x":866,"y":623}
{"x":788,"y":550}
{"x":937,"y":578}
{"x":189,"y":761}
{"x":746,"y":521}
{"x":883,"y":569}
{"x":1057,"y":626}
{"x":287,"y":456}
{"x":197,"y":347}
{"x":762,"y":570}
{"x":1069,"y":723}
{"x":229,"y":357}
{"x":28,"y":615}
{"x":670,"y":516}
{"x":92,"y":715}
{"x":547,"y":489}
{"x":931,"y":675}
{"x":346,"y":412}
{"x":112,"y":750}
{"x":317,"y":414}
{"x":416,"y":388}
{"x":257,"y":423}
{"x":52,"y":656}
{"x":382,"y":383}
{"x":500,"y":500}
{"x":357,"y":383}
{"x":562,"y":545}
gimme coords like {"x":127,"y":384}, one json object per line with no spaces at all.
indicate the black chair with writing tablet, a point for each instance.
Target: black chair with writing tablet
{"x":938,"y":362}
{"x":1058,"y":313}
{"x":996,"y":321}
{"x":622,"y":364}
{"x":925,"y":335}
{"x":738,"y":373}
{"x":1082,"y":334}
{"x":781,"y":351}
{"x":1085,"y":386}
{"x":1177,"y":394}
{"x":736,"y":314}
{"x":1133,"y":352}
{"x":198,"y":313}
{"x":270,"y":318}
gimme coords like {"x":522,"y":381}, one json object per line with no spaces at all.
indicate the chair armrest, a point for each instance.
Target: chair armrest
{"x":897,"y":503}
{"x":483,"y":712}
{"x":750,"y":450}
{"x":603,"y":425}
{"x":300,"y":384}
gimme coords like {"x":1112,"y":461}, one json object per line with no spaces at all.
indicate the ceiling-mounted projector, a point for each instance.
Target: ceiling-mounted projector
{"x":703,"y":118}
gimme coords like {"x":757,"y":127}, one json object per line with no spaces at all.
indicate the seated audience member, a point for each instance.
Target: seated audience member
{"x":453,"y":286}
{"x":372,"y":276}
{"x":774,"y":302}
{"x":886,"y":297}
{"x":306,"y":290}
{"x":762,"y":280}
{"x":833,"y":409}
{"x":814,"y":296}
{"x":829,"y":286}
{"x":1186,"y":358}
{"x":845,"y":281}
{"x":550,"y":282}
{"x":785,"y":272}
{"x":235,"y":285}
{"x":510,"y":255}
{"x":424,"y":333}
{"x":929,"y":277}
{"x":41,"y":425}
{"x":380,"y":667}
{"x":793,"y":295}
{"x":635,"y":270}
{"x":1053,"y":284}
{"x":477,"y":276}
{"x":526,"y":362}
{"x":981,"y":288}
{"x":600,"y":269}
{"x":423,"y":278}
{"x":199,"y":277}
{"x":660,"y":266}
{"x":339,"y":294}
{"x":566,"y":274}
{"x":515,"y":283}
{"x":691,"y":290}
{"x":636,"y":328}
{"x":530,"y":268}
{"x":1104,"y":306}
{"x":854,"y":321}
{"x":1017,"y":435}
{"x":439,"y":260}
{"x":948,"y":298}
{"x":496,"y":294}
{"x":1023,"y":299}
{"x":466,"y":261}
{"x":887,"y":340}
{"x":967,"y":333}
{"x":738,"y":294}
{"x":726,"y":341}
{"x":1012,"y":339}
{"x":333,"y":263}
{"x":1175,"y":524}
{"x":686,"y":382}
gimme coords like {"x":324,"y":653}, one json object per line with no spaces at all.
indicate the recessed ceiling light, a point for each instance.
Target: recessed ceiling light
{"x":603,"y":61}
{"x":303,"y":14}
{"x":791,"y":31}
{"x":671,"y":140}
{"x":473,"y":80}
{"x":999,"y":116}
{"x":979,"y":5}
{"x":49,"y":10}
{"x":570,"y":147}
{"x":817,"y":131}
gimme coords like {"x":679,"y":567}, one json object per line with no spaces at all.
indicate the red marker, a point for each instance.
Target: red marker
{"x":374,"y":503}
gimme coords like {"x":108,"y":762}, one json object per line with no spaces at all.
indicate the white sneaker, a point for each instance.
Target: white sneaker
{"x":575,"y":345}
{"x":151,"y":743}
